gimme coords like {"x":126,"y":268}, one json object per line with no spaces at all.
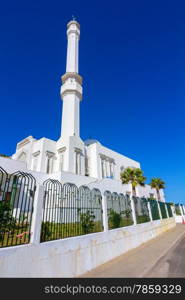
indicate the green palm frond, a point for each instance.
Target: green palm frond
{"x":134,"y":176}
{"x":157,"y":183}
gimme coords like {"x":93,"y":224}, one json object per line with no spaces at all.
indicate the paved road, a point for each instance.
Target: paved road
{"x":172,"y":264}
{"x":163,"y":256}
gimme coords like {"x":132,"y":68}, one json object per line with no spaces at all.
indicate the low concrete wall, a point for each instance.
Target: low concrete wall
{"x":75,"y":256}
{"x":179,"y":219}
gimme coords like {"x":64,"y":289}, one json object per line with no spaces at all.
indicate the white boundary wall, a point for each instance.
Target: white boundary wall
{"x":75,"y":256}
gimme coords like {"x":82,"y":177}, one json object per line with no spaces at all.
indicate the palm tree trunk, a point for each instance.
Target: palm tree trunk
{"x":158,"y":195}
{"x":134,"y":191}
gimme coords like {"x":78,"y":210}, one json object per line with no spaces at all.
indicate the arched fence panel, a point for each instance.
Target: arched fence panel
{"x":154,"y":209}
{"x":52,"y":212}
{"x":177,"y":210}
{"x":169,"y":208}
{"x":163,"y":210}
{"x":17,"y":193}
{"x":141,"y":209}
{"x":118,"y":210}
{"x":96,"y":210}
{"x":70,"y":211}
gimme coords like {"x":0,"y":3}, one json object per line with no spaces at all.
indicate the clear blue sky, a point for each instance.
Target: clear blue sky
{"x":132,"y":59}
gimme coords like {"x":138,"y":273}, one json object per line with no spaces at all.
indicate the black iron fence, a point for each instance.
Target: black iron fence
{"x":182,"y":207}
{"x":169,"y":208}
{"x":16,"y":206}
{"x":154,"y":209}
{"x":163,"y":210}
{"x":70,"y":211}
{"x":118,"y":210}
{"x":141,"y":210}
{"x":177,"y":210}
{"x":67,"y":210}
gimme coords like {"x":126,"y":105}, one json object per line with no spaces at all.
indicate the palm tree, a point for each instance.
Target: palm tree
{"x":158,"y":184}
{"x":134,"y":176}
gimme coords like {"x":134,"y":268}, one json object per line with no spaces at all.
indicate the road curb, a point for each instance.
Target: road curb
{"x":163,"y":254}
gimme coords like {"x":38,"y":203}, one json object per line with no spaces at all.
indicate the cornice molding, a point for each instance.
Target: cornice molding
{"x":50,"y":154}
{"x":60,"y":150}
{"x":36,"y":153}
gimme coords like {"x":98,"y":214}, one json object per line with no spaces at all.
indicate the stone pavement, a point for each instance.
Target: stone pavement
{"x":143,"y":259}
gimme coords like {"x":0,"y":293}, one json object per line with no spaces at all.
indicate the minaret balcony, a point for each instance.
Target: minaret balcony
{"x":71,"y":86}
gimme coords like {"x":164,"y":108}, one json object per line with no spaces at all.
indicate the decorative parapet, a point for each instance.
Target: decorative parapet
{"x":71,"y":75}
{"x":24,"y":142}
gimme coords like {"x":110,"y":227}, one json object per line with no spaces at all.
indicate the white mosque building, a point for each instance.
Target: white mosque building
{"x":70,"y":158}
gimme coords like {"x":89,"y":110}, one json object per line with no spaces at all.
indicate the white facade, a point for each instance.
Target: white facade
{"x":86,"y":162}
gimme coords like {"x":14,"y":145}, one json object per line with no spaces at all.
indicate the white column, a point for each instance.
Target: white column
{"x":160,"y":215}
{"x":166,"y":210}
{"x":150,"y":211}
{"x":108,"y":168}
{"x":181,"y":210}
{"x":111,"y":172}
{"x":79,"y":163}
{"x":104,"y":167}
{"x":113,"y":169}
{"x":37,"y":215}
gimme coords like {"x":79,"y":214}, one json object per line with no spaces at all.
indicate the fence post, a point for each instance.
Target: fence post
{"x":37,"y":215}
{"x":104,"y":208}
{"x":184,"y":209}
{"x":133,"y":210}
{"x":173,"y":210}
{"x":160,"y":214}
{"x":166,"y":210}
{"x":181,"y":210}
{"x":150,"y":211}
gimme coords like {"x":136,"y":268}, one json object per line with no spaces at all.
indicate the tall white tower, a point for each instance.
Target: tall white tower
{"x":71,"y":149}
{"x":71,"y":89}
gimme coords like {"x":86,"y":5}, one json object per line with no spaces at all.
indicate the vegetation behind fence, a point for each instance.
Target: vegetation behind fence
{"x":141,"y":210}
{"x":16,"y":206}
{"x":70,"y":211}
{"x":118,"y":210}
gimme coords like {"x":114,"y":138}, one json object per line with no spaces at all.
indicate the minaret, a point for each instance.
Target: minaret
{"x":70,"y":147}
{"x":71,"y":89}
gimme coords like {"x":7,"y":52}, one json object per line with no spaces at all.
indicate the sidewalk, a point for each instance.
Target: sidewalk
{"x":138,"y":262}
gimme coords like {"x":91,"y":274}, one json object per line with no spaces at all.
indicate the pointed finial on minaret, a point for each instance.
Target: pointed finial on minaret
{"x":74,"y":18}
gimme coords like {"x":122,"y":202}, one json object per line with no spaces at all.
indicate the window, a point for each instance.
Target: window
{"x":22,"y":157}
{"x":107,"y":166}
{"x":86,"y":166}
{"x":49,"y":165}
{"x":102,"y":168}
{"x":78,"y":156}
{"x":35,"y":162}
{"x":61,"y":161}
{"x":61,"y":157}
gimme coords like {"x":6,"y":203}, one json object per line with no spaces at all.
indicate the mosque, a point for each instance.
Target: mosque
{"x":70,"y":158}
